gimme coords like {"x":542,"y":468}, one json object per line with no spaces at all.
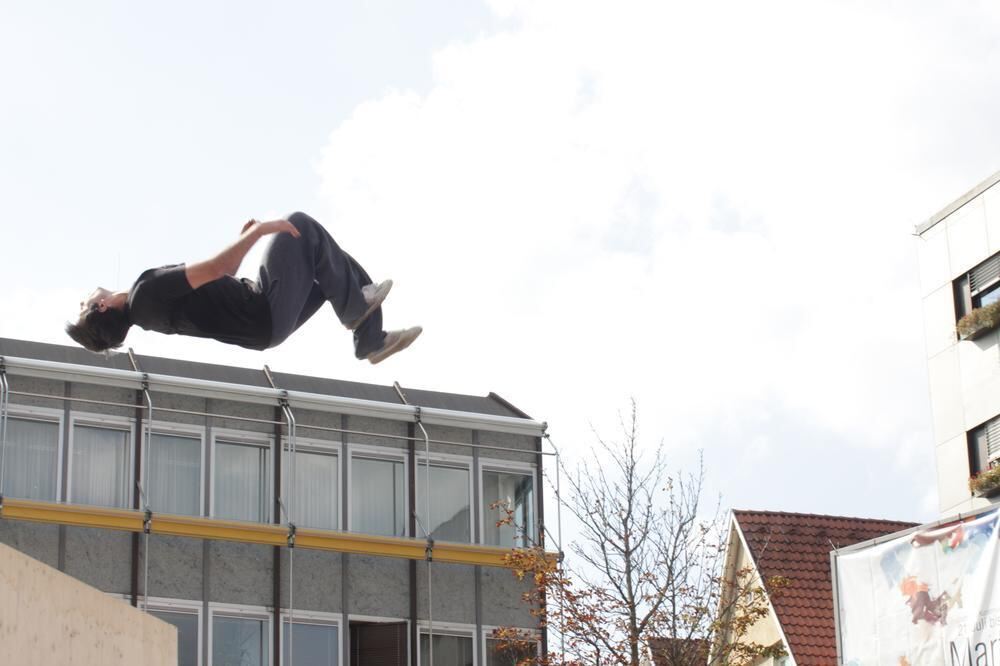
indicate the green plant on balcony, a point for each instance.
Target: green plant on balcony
{"x":979,"y":321}
{"x":986,"y":483}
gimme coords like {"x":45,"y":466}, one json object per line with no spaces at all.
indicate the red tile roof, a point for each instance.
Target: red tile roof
{"x":797,"y":546}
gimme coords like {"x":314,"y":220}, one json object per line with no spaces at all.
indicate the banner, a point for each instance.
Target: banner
{"x":928,"y":598}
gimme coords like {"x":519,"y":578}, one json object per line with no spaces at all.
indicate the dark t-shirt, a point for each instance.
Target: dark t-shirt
{"x":228,"y":310}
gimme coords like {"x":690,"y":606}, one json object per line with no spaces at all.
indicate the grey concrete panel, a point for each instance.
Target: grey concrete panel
{"x":453,"y":588}
{"x":175,"y":566}
{"x":503,"y":605}
{"x":449,"y":435}
{"x":33,"y":385}
{"x":105,"y":394}
{"x":102,"y":558}
{"x":241,"y":573}
{"x":378,"y":586}
{"x":508,"y":441}
{"x":176,"y":401}
{"x":33,"y":539}
{"x":365,"y":424}
{"x":241,"y":409}
{"x":317,"y":577}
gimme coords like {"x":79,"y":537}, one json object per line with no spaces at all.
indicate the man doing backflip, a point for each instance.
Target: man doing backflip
{"x":303,"y":267}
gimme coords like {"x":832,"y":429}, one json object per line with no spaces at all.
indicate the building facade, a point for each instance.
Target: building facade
{"x":273,"y":518}
{"x":959,"y":257}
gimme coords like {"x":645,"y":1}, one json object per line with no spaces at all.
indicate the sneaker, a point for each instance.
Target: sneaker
{"x":374,"y":295}
{"x":395,"y":341}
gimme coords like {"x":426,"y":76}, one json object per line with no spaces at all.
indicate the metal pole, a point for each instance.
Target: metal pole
{"x":287,"y":507}
{"x":562,"y":601}
{"x":143,"y":483}
{"x":430,"y":540}
{"x":4,"y":397}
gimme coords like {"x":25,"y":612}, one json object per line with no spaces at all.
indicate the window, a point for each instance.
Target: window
{"x":100,"y":465}
{"x":508,"y":498}
{"x":978,"y":288}
{"x":241,"y":481}
{"x":378,"y":496}
{"x":449,"y":650}
{"x":383,"y":643}
{"x":174,"y":465}
{"x":449,"y":500}
{"x":509,"y":653}
{"x":239,"y":640}
{"x":315,"y":644}
{"x":187,"y":634}
{"x":316,"y":489}
{"x":31,"y":459}
{"x":984,"y":446}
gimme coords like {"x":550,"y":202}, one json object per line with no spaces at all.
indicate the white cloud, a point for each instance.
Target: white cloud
{"x":707,"y":206}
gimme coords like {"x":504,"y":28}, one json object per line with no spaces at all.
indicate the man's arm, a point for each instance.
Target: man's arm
{"x":228,"y":261}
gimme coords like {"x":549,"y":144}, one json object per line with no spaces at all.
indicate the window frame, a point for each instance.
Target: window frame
{"x":488,"y":629}
{"x":965,"y":301}
{"x":511,"y":467}
{"x":109,"y":422}
{"x":322,"y":446}
{"x":372,"y":452}
{"x":239,"y":611}
{"x":46,"y":415}
{"x":243,"y":438}
{"x":311,"y":617}
{"x":446,"y":460}
{"x":186,"y":606}
{"x":460,"y":630}
{"x":169,"y":428}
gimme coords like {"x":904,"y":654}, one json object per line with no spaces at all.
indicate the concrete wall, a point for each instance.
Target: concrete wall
{"x":964,"y":376}
{"x":47,"y":617}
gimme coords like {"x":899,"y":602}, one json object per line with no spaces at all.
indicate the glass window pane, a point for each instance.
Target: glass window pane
{"x":509,"y":653}
{"x":449,"y":491}
{"x":187,"y":635}
{"x":239,"y":641}
{"x":505,"y":492}
{"x":316,"y":490}
{"x":988,"y":297}
{"x":100,"y":466}
{"x":377,"y":498}
{"x":315,"y":645}
{"x":174,"y":468}
{"x":241,"y":482}
{"x":31,"y":459}
{"x":448,"y":650}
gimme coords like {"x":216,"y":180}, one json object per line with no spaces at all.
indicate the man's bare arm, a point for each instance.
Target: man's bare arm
{"x":228,"y":261}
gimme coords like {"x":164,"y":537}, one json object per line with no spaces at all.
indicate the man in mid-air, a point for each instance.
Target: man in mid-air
{"x":303,"y":267}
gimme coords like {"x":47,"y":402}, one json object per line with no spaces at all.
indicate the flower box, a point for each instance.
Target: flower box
{"x":979,"y":322}
{"x":986,"y":483}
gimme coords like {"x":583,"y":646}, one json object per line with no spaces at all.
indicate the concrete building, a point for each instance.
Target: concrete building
{"x":959,"y":257}
{"x":273,"y":519}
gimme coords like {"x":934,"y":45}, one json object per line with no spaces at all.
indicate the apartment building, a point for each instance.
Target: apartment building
{"x":959,"y":258}
{"x":274,"y":519}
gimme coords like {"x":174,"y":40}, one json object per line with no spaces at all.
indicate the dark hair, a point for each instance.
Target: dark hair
{"x":100,"y":331}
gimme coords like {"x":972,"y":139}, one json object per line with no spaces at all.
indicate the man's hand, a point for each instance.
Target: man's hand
{"x":272,"y":227}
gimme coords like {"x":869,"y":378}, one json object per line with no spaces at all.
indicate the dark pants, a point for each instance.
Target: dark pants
{"x":298,"y":275}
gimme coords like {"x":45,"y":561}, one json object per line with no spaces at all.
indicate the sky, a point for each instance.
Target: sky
{"x":705,"y":207}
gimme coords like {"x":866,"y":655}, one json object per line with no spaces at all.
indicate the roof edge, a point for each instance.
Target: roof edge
{"x":958,"y":203}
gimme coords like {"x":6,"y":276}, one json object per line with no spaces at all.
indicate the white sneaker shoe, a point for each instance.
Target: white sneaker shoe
{"x":374,"y":295}
{"x":395,"y":341}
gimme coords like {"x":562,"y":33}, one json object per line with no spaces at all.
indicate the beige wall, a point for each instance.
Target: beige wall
{"x":766,"y":630}
{"x":47,"y":617}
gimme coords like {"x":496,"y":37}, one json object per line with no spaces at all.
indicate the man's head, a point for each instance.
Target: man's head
{"x":103,"y":322}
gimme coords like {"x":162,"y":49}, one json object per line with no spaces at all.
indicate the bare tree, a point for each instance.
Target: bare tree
{"x":646,"y":570}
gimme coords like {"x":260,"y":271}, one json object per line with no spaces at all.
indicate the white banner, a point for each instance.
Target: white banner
{"x":929,"y":598}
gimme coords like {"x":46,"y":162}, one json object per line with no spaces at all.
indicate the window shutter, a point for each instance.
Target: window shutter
{"x":985,"y":274}
{"x":993,"y":440}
